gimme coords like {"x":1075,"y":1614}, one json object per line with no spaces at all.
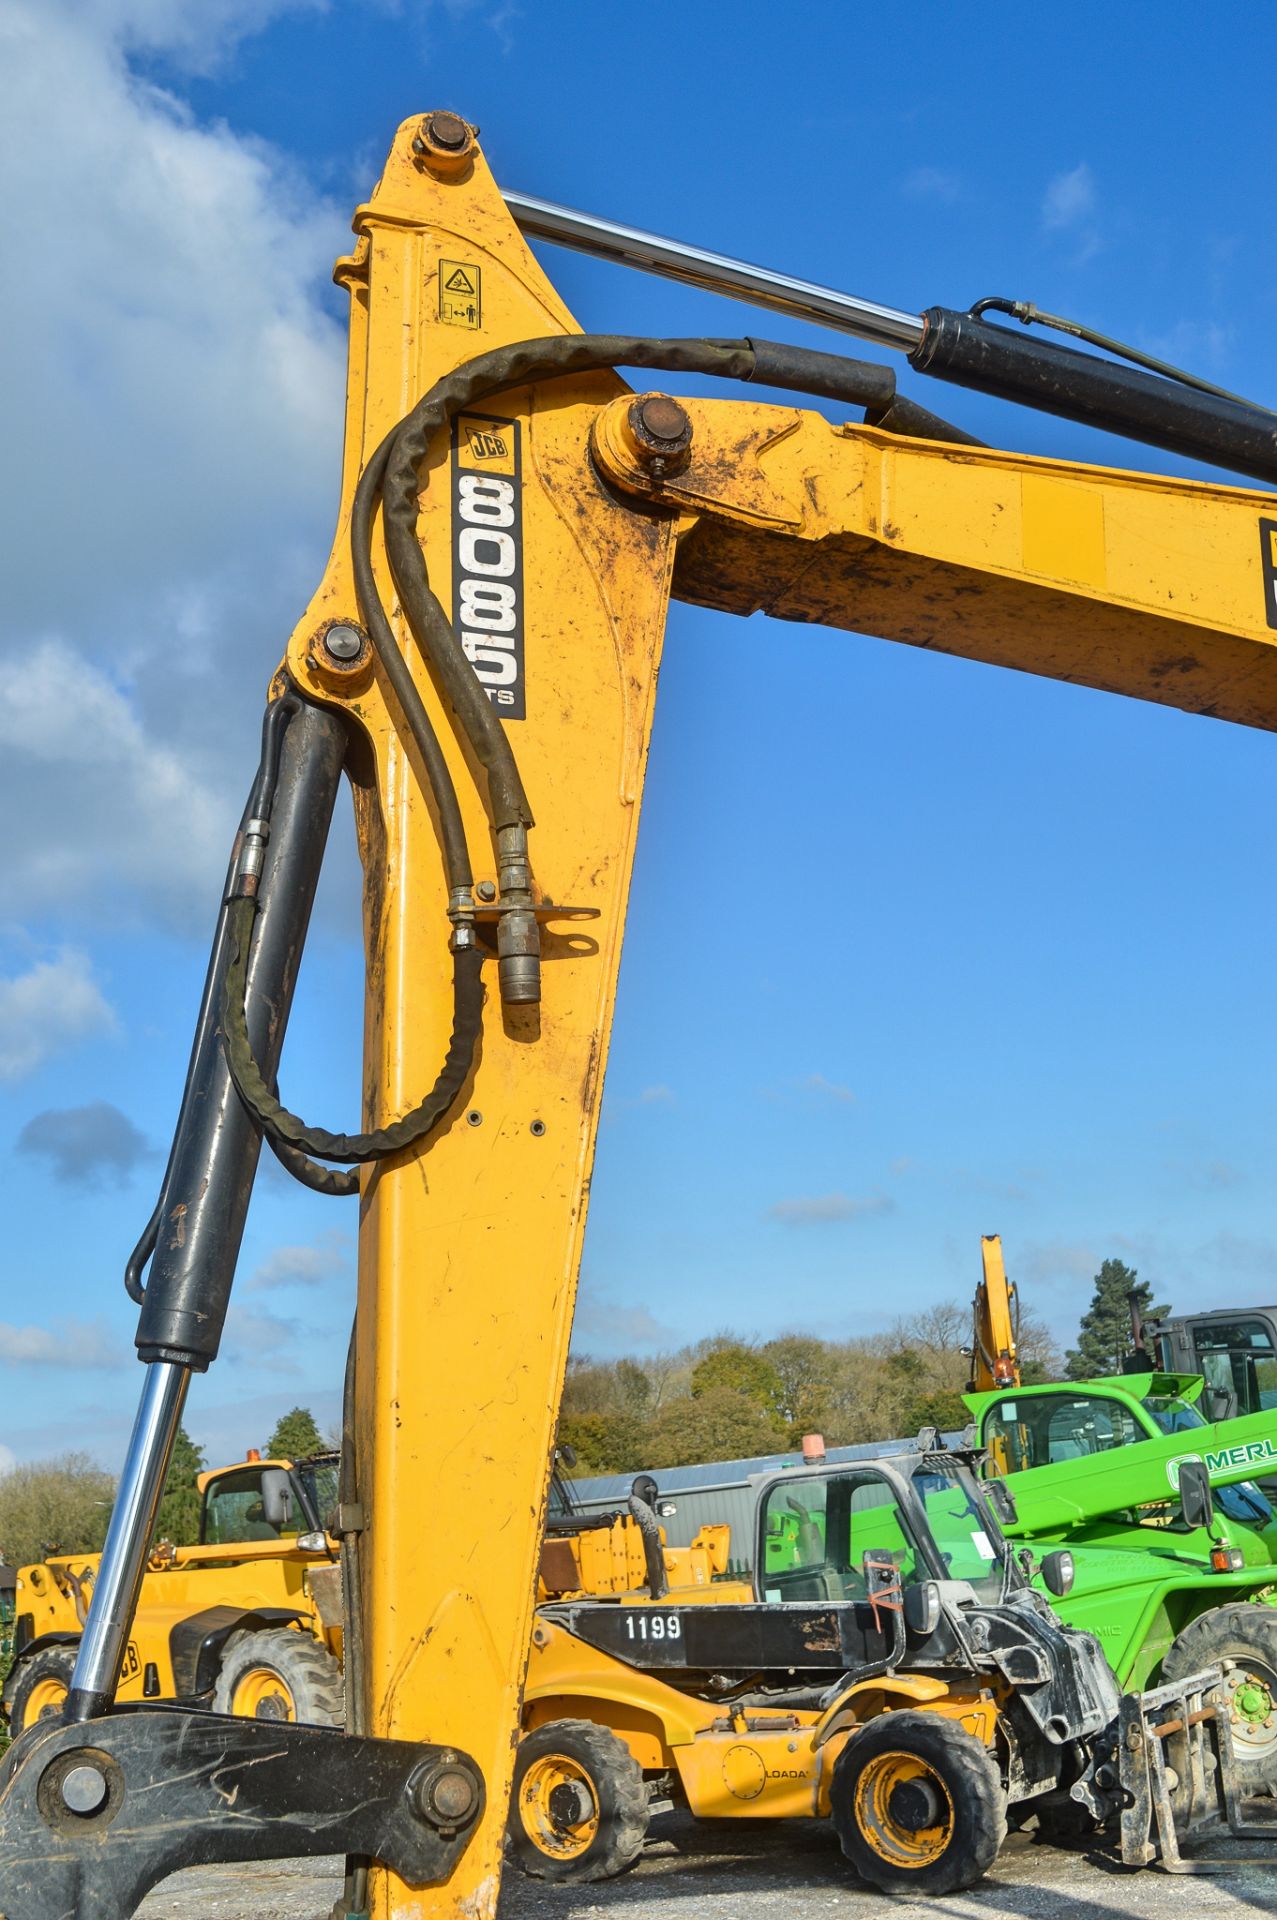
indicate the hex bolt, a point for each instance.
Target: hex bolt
{"x":662,"y":433}
{"x":486,"y":891}
{"x":84,"y":1790}
{"x":343,"y":643}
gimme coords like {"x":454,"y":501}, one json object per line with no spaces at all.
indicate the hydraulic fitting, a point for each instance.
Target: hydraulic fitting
{"x":518,"y":933}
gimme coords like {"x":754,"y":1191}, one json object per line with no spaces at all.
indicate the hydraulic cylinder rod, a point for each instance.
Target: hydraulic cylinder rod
{"x":206,"y":1191}
{"x":128,"y":1539}
{"x":715,"y":272}
{"x":948,"y":345}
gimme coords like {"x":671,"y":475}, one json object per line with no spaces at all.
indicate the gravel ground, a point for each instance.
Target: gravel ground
{"x":745,"y":1870}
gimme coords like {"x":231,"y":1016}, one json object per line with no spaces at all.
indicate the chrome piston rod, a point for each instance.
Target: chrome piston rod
{"x":128,"y":1540}
{"x":715,"y":273}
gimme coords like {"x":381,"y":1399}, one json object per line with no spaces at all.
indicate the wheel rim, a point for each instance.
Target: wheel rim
{"x":904,"y":1810}
{"x":47,"y":1696}
{"x":558,"y":1807}
{"x":262,"y":1694}
{"x":1252,"y":1691}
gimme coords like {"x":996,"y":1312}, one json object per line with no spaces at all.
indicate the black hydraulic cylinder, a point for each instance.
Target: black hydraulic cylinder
{"x":209,"y":1181}
{"x":971,"y":352}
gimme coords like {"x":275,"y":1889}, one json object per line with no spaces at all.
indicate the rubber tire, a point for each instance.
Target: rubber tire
{"x":969,"y":1772}
{"x":307,"y":1669}
{"x":1244,"y":1633}
{"x":50,"y":1663}
{"x":619,"y":1792}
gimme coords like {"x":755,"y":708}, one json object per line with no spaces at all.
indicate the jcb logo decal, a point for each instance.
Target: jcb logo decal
{"x":487,"y":556}
{"x":1268,"y":562}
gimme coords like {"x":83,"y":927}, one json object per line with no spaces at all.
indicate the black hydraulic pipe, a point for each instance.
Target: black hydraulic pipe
{"x":970,"y":352}
{"x":216,"y":1146}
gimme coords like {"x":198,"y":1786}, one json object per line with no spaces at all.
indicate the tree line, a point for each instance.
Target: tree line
{"x":64,"y":1505}
{"x":722,"y":1398}
{"x":730,"y":1398}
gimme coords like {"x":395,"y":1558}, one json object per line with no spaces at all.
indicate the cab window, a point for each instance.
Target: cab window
{"x":818,"y":1532}
{"x":1041,"y":1430}
{"x":1239,"y":1358}
{"x":233,"y":1511}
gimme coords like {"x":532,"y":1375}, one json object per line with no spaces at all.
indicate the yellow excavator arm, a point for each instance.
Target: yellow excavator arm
{"x":995,"y":1358}
{"x":481,"y":658}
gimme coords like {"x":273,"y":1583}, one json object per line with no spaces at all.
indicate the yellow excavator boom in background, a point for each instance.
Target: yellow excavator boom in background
{"x":995,"y":1358}
{"x":480,"y":659}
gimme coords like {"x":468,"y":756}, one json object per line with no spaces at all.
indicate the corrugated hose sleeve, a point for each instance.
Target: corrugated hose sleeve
{"x":278,"y":1124}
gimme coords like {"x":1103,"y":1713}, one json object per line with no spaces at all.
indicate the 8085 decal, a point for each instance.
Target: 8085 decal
{"x":487,"y":555}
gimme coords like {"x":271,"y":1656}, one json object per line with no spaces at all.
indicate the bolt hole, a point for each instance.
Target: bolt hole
{"x":474,"y":1118}
{"x":538,"y":1128}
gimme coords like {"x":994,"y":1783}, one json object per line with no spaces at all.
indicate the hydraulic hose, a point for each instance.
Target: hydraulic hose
{"x":279,"y":1125}
{"x":391,"y":477}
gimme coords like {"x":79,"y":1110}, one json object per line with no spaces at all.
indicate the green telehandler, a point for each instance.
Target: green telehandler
{"x":1093,"y":1468}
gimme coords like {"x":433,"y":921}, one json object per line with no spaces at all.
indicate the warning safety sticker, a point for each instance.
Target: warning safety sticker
{"x":460,"y":294}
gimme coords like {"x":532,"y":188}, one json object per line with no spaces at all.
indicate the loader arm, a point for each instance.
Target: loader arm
{"x":556,"y":520}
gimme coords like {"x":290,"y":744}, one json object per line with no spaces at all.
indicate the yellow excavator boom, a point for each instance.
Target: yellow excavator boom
{"x":557,"y":514}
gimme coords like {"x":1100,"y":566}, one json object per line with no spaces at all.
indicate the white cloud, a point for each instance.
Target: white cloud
{"x":602,"y":1325}
{"x":254,"y":1337}
{"x":197,"y":37}
{"x":1041,"y":1261}
{"x":932,"y":183}
{"x":821,"y":1209}
{"x":172,"y":451}
{"x":304,"y":1266}
{"x":68,"y":1343}
{"x":8,"y":1460}
{"x":1069,"y":199}
{"x":114,"y":795}
{"x":817,"y":1085}
{"x":84,"y":1145}
{"x":47,"y":1009}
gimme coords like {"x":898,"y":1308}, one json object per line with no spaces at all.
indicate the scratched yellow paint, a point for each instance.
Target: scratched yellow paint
{"x":469,"y":1247}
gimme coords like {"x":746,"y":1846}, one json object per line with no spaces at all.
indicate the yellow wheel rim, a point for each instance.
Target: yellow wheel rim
{"x":904,"y":1810}
{"x":559,"y":1807}
{"x":46,"y":1696}
{"x":261,"y":1694}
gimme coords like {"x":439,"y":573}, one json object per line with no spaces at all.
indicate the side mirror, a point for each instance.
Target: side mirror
{"x":1220,"y":1403}
{"x":567,"y":1454}
{"x":922,"y":1608}
{"x":312,"y":1542}
{"x":644,"y":1488}
{"x":1057,"y":1572}
{"x":1002,"y":1500}
{"x":1195,"y":1496}
{"x":667,"y":1509}
{"x":277,"y":1497}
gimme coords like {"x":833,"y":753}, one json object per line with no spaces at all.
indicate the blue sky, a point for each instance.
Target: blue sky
{"x":1025,"y":987}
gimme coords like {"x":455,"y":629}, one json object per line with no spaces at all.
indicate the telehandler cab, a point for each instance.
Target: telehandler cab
{"x":480,"y":659}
